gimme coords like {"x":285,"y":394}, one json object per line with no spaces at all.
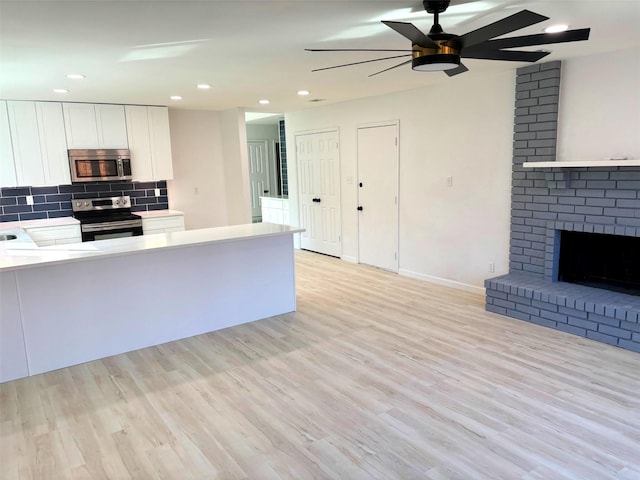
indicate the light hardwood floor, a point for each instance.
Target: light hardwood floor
{"x":376,"y":376}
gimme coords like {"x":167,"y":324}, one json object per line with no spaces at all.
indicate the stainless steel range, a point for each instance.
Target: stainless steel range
{"x":106,"y":217}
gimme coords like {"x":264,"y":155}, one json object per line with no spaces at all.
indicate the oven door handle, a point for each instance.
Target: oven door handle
{"x":106,"y":226}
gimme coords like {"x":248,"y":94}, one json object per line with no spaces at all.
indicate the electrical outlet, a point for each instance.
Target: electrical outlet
{"x":449,"y":181}
{"x":157,"y":192}
{"x":29,"y":200}
{"x":492,"y":267}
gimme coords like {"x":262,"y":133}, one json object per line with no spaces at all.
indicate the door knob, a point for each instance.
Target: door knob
{"x":360,"y":208}
{"x":360,"y":184}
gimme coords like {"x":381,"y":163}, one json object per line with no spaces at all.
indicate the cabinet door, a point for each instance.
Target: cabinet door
{"x":53,"y":145}
{"x":111,"y":126}
{"x":139,"y":143}
{"x":160,"y":143}
{"x":7,"y":166}
{"x":80,"y":125}
{"x":25,"y":139}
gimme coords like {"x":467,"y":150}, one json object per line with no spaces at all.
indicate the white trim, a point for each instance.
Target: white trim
{"x":583,"y":163}
{"x":349,"y":258}
{"x":443,"y":281}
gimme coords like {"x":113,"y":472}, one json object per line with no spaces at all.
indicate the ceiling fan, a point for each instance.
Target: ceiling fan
{"x":440,"y":51}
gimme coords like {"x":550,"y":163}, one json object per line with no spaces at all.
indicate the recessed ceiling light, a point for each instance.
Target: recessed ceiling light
{"x":75,"y":76}
{"x":203,"y":86}
{"x":175,"y":97}
{"x":556,"y":28}
{"x":60,"y":90}
{"x":303,"y":92}
{"x":264,"y":102}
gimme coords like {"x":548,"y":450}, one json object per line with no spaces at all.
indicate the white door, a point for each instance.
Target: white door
{"x":258,"y":174}
{"x":319,"y":189}
{"x":378,"y":196}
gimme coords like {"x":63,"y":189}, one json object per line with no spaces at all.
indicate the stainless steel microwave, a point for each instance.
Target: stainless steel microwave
{"x":99,"y":165}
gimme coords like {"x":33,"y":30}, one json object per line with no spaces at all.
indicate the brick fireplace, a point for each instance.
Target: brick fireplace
{"x":548,"y":201}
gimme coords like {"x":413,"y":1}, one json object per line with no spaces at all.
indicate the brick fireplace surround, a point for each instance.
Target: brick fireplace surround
{"x":545,"y":201}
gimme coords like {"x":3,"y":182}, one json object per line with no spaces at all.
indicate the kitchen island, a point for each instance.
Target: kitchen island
{"x":67,"y":304}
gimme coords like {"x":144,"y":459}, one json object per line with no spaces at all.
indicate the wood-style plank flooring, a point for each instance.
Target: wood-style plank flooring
{"x":376,"y":376}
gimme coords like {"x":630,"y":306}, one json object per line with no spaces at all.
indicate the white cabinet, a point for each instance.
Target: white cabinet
{"x":275,"y":210}
{"x":38,"y":141}
{"x":149,"y":142}
{"x":55,"y":235}
{"x":172,"y":222}
{"x":7,"y":166}
{"x":95,"y":125}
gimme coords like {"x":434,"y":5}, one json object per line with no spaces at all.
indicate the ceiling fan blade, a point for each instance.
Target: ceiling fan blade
{"x":358,"y":63}
{"x":509,"y":24}
{"x":410,"y":31}
{"x":455,"y":71}
{"x":531,"y":40}
{"x":390,"y":68}
{"x":508,"y":55}
{"x":353,"y":50}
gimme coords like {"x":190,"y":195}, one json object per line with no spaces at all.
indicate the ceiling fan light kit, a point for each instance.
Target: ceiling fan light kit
{"x":440,"y":51}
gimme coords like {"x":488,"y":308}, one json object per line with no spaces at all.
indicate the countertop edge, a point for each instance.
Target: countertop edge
{"x":145,"y":244}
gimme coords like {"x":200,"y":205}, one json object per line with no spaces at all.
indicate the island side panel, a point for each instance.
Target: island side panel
{"x":91,"y":309}
{"x":13,"y":357}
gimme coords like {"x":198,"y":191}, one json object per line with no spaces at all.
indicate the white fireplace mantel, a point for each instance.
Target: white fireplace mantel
{"x":583,"y":163}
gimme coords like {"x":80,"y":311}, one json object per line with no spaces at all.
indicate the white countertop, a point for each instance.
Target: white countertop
{"x":47,"y":222}
{"x":159,"y":213}
{"x":18,"y":254}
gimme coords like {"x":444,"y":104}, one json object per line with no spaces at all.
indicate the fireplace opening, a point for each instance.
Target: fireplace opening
{"x":598,"y":260}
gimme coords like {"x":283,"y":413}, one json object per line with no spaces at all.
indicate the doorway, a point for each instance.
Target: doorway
{"x":378,"y":158}
{"x":259,"y":175}
{"x":319,"y":191}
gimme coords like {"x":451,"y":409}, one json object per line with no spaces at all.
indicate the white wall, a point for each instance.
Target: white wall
{"x":462,"y":128}
{"x":236,"y":166}
{"x":211,"y":183}
{"x":600,"y":107}
{"x":198,"y":187}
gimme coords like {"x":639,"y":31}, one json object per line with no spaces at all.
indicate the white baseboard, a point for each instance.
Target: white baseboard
{"x":350,"y":259}
{"x":443,"y":281}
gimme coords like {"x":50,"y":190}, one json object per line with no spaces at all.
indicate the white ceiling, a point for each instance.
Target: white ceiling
{"x":141,"y":52}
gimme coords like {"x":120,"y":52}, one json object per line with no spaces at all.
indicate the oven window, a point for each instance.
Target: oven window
{"x":96,"y":168}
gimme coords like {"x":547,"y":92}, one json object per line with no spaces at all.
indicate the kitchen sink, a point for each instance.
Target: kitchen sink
{"x":5,"y":237}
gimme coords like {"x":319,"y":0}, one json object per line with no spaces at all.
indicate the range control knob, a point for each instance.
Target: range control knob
{"x":117,"y":202}
{"x":86,"y":204}
{"x":78,"y":204}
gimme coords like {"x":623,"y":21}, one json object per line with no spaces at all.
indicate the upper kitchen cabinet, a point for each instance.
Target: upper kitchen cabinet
{"x":7,"y":167}
{"x":38,"y":141}
{"x":149,"y":142}
{"x":95,"y":125}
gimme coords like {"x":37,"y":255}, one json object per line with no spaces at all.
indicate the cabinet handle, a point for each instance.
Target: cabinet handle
{"x":266,"y":191}
{"x":360,"y":208}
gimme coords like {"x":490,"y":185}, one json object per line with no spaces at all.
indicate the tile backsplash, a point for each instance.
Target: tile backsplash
{"x":55,"y":201}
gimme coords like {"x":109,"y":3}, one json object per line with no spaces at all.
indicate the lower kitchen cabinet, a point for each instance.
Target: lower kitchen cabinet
{"x":275,"y":210}
{"x":57,"y":235}
{"x":159,"y":223}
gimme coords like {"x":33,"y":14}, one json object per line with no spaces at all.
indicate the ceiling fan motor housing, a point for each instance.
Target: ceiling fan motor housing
{"x":445,"y":57}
